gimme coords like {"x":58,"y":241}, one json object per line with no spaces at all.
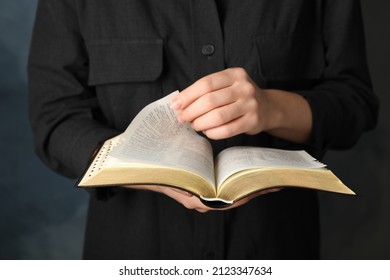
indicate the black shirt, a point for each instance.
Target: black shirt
{"x":95,"y":64}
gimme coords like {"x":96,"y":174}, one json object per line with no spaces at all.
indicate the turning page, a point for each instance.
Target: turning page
{"x":156,"y":137}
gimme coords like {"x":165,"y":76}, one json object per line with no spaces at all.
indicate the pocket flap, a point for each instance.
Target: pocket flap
{"x":124,"y":60}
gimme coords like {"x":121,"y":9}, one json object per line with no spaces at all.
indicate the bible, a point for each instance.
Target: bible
{"x":157,"y":149}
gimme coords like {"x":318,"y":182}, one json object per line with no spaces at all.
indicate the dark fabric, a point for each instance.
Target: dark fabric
{"x":95,"y":64}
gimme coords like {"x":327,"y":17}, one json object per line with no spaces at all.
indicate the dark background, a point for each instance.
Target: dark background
{"x":43,"y":217}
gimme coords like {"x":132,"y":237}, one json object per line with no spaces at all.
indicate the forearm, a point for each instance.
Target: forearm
{"x":290,"y":116}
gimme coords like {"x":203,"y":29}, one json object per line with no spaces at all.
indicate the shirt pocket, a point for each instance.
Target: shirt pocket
{"x":124,"y":60}
{"x":290,"y":57}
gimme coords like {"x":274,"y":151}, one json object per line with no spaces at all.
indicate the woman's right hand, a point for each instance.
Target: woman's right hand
{"x":190,"y":201}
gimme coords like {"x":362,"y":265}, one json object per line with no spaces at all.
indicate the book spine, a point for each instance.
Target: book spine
{"x":216,"y":202}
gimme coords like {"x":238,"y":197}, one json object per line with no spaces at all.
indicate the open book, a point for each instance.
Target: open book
{"x":157,"y":149}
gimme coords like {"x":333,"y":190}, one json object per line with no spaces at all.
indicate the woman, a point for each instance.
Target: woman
{"x":283,"y":74}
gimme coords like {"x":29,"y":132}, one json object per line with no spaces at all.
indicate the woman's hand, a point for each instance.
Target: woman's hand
{"x":228,"y":103}
{"x":224,"y":104}
{"x":192,"y":202}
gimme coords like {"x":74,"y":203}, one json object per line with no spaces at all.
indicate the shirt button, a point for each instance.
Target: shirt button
{"x":208,"y":49}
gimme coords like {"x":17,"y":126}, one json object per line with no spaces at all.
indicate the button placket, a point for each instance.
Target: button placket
{"x":208,"y":52}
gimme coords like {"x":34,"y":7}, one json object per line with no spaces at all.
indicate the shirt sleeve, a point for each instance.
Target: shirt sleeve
{"x":63,"y":110}
{"x":343,"y":104}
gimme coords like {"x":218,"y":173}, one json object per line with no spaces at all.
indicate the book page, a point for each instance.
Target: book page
{"x":101,"y":159}
{"x":155,"y":136}
{"x":236,"y":159}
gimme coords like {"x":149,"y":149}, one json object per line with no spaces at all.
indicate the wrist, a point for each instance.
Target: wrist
{"x":288,"y":116}
{"x":274,"y":117}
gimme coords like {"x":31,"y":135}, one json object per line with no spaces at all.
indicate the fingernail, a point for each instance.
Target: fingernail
{"x":176,"y":104}
{"x":180,"y":119}
{"x":188,"y":194}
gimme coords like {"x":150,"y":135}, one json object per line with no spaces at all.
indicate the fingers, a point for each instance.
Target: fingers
{"x":227,"y":130}
{"x":182,"y":192}
{"x":245,"y":200}
{"x":190,"y":201}
{"x":207,"y":103}
{"x":207,"y":84}
{"x":222,"y":105}
{"x":218,"y":117}
{"x":272,"y":190}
